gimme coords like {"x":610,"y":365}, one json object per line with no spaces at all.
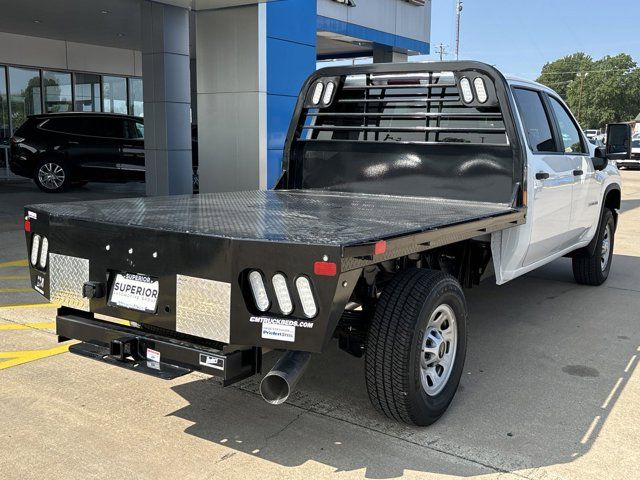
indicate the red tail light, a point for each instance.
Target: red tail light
{"x":380,"y":247}
{"x":16,"y":140}
{"x":325,"y":269}
{"x":27,"y":225}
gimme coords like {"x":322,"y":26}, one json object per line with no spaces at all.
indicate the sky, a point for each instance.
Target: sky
{"x":519,"y":36}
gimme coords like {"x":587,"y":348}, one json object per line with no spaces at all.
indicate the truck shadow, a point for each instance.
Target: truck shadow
{"x":546,"y":363}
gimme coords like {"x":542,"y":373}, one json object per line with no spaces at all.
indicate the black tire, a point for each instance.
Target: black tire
{"x":394,"y":376}
{"x":54,"y":166}
{"x":589,"y":269}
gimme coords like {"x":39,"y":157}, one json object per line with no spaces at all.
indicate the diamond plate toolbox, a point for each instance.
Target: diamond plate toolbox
{"x":203,"y":308}
{"x":67,"y":277}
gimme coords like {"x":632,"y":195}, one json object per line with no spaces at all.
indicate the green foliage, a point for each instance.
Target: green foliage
{"x":597,"y":91}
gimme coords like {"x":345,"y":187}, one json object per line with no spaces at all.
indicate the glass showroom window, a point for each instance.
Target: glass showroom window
{"x":4,"y":110}
{"x":57,"y":91}
{"x":114,"y":91}
{"x":136,"y":105}
{"x":25,"y":95}
{"x":87,"y":89}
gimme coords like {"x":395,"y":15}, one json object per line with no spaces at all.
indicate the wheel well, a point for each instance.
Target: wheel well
{"x":613,"y":199}
{"x":613,"y":202}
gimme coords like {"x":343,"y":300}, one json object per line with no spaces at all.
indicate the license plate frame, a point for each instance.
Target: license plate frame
{"x":134,"y":291}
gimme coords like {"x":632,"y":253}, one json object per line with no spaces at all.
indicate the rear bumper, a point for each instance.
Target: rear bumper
{"x":157,"y":355}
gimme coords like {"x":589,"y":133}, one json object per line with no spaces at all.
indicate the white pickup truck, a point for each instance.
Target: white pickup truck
{"x":401,"y":184}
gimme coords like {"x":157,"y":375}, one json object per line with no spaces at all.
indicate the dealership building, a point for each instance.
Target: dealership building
{"x":233,"y":67}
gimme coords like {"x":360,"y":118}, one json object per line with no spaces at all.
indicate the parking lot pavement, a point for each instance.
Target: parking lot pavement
{"x":551,"y":391}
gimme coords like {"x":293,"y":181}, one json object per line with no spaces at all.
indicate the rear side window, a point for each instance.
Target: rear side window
{"x":63,"y":124}
{"x":535,"y":120}
{"x":135,"y":130}
{"x":87,"y":125}
{"x":571,"y":138}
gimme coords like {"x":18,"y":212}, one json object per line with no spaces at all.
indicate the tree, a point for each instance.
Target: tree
{"x":560,"y":73}
{"x":598,"y":92}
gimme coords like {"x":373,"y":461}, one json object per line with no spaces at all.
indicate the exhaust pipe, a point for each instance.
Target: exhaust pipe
{"x":277,"y":385}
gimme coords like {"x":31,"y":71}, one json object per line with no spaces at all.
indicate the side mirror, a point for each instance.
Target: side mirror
{"x":600,"y":161}
{"x":618,"y":145}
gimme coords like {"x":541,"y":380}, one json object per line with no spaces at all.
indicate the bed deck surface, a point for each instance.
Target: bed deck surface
{"x":293,"y":216}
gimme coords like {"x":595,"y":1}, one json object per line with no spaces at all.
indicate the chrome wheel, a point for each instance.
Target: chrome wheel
{"x":605,"y":250}
{"x":51,"y":176}
{"x":438,"y":350}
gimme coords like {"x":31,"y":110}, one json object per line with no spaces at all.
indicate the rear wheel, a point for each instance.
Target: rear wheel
{"x":52,"y":176}
{"x":594,"y":269}
{"x":416,"y":346}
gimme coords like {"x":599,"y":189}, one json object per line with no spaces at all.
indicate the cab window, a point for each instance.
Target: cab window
{"x":571,"y":140}
{"x":535,"y":120}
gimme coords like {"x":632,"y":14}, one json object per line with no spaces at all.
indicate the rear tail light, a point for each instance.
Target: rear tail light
{"x":259,"y":292}
{"x":282,"y":293}
{"x":16,"y":140}
{"x":44,"y":251}
{"x":35,"y":247}
{"x":306,"y":297}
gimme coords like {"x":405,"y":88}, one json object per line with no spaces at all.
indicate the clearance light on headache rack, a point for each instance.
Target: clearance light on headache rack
{"x":328,"y":93}
{"x":465,"y":88}
{"x":282,"y":293}
{"x":259,"y":292}
{"x":317,"y":93}
{"x":309,"y":308}
{"x":35,"y":246}
{"x":481,"y":90}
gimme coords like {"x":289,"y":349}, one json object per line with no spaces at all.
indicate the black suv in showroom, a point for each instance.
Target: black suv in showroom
{"x":58,"y":150}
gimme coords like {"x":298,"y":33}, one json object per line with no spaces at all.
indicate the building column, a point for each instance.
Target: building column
{"x":386,"y":54}
{"x":167,"y":99}
{"x":250,"y":64}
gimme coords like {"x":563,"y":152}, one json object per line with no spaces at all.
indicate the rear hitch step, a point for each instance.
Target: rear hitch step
{"x":161,"y":370}
{"x":158,"y":355}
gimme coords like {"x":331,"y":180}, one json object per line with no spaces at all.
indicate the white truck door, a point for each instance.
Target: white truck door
{"x":551,"y":179}
{"x":586,"y":189}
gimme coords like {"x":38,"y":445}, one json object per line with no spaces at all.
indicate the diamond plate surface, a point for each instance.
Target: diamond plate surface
{"x":294,"y":216}
{"x":67,"y":277}
{"x":203,"y":308}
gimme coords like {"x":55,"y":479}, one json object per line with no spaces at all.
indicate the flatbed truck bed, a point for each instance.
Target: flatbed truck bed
{"x":400,"y":185}
{"x":336,"y":219}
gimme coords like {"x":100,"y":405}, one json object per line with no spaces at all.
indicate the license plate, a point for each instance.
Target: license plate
{"x":137,"y":292}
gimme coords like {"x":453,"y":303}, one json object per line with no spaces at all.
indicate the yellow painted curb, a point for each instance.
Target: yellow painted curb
{"x":29,"y":305}
{"x":15,"y":263}
{"x":25,"y":326}
{"x":26,"y":356}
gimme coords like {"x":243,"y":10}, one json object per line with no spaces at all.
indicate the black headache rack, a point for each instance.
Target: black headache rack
{"x":154,"y":354}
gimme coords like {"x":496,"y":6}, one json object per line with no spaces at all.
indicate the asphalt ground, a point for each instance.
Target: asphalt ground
{"x":550,"y":390}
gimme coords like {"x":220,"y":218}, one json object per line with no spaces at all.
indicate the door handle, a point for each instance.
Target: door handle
{"x":542,"y":176}
{"x":577,"y":173}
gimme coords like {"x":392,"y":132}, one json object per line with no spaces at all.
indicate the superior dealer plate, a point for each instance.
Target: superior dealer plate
{"x":134,"y":291}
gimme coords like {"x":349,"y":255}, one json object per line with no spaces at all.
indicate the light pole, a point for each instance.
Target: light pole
{"x":441,"y":49}
{"x":458,"y":12}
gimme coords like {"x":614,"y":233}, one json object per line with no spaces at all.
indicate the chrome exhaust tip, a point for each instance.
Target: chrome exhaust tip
{"x":277,"y":385}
